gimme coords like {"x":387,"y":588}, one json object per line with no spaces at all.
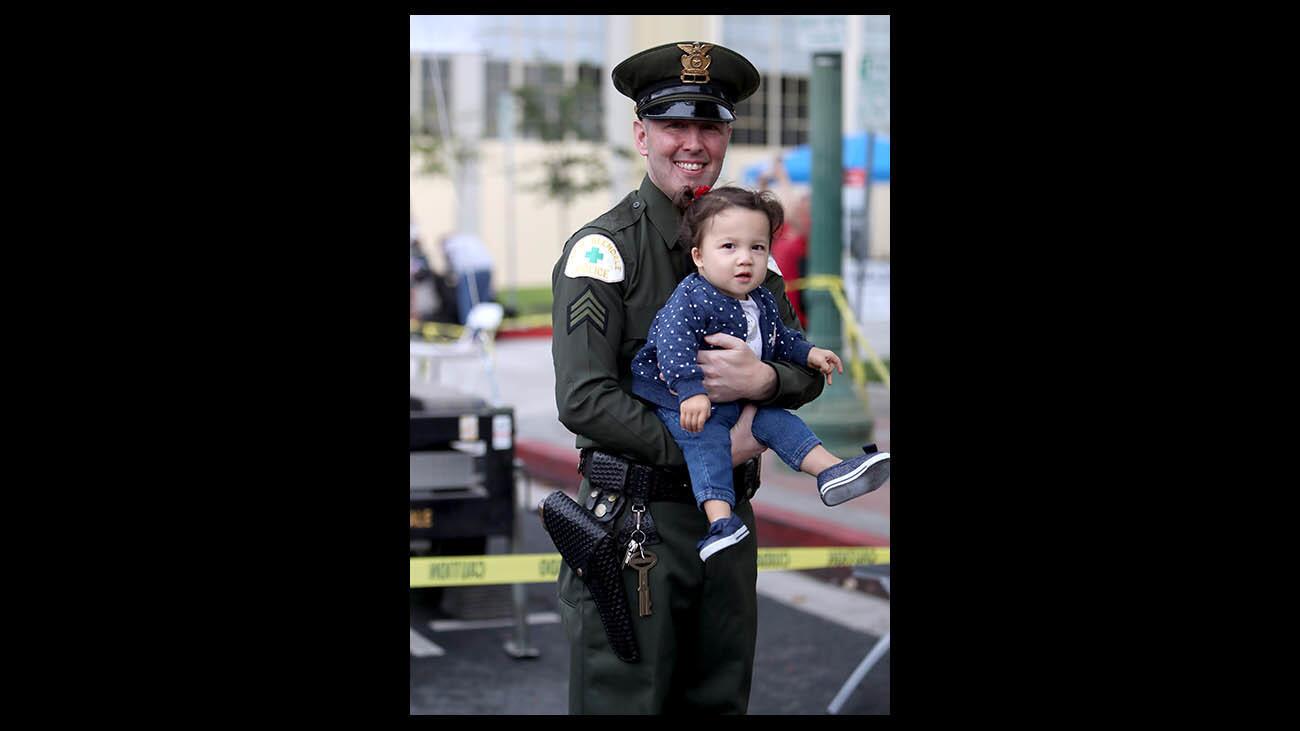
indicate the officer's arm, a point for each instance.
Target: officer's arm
{"x":796,"y":385}
{"x":791,"y":346}
{"x":588,"y":321}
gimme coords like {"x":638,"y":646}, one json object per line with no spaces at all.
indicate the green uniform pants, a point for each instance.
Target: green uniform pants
{"x":697,"y":646}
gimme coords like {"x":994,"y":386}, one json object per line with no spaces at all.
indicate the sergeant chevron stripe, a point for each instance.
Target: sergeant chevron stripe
{"x":586,"y":308}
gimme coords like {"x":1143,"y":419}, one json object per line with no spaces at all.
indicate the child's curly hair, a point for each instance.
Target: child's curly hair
{"x":697,"y":210}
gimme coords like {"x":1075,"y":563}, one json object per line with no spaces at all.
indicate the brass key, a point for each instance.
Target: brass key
{"x":643,"y":563}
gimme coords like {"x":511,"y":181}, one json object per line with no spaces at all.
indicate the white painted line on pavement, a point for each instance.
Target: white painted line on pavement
{"x":852,"y":609}
{"x":422,"y":647}
{"x":451,"y":625}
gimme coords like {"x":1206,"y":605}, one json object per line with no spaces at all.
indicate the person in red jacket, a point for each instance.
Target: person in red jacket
{"x":790,"y":251}
{"x":790,"y":243}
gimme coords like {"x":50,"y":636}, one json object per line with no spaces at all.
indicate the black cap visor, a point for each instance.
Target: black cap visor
{"x":697,"y":109}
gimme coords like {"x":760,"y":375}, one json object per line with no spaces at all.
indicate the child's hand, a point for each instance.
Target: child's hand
{"x":825,"y":361}
{"x":695,"y":411}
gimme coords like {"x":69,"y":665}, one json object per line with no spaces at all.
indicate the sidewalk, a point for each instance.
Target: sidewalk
{"x":787,"y":507}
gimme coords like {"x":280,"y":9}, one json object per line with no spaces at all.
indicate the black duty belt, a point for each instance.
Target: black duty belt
{"x":652,"y":484}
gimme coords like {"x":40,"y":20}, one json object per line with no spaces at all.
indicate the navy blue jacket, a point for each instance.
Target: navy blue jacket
{"x":696,"y":309}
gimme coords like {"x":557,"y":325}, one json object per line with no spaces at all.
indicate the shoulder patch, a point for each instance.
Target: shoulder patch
{"x":771,"y":264}
{"x":594,"y":256}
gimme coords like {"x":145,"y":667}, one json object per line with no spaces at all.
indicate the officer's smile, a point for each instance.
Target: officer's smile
{"x":681,"y":152}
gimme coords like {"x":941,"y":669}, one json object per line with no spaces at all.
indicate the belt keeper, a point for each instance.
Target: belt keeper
{"x":639,"y":480}
{"x":606,"y":471}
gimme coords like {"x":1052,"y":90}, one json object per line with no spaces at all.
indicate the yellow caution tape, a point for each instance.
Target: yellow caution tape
{"x":534,"y":568}
{"x":443,"y":331}
{"x":797,"y":559}
{"x":515,"y":568}
{"x":835,"y":285}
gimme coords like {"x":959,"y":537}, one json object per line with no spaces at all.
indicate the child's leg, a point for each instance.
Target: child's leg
{"x":791,"y":439}
{"x":708,"y":458}
{"x":818,"y":459}
{"x":717,"y":509}
{"x":837,"y":480}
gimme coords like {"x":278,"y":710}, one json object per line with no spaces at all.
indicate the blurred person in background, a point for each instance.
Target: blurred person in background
{"x":790,"y":244}
{"x":425,"y":302}
{"x":695,"y":644}
{"x":469,"y":262}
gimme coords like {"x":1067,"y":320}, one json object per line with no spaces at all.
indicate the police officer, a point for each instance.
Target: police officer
{"x":696,"y":643}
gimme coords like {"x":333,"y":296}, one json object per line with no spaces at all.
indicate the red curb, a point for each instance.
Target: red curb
{"x":524,"y":332}
{"x":776,"y":527}
{"x":550,"y":463}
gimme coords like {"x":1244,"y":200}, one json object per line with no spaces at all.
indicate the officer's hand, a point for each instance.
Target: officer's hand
{"x":734,"y":373}
{"x":743,"y":444}
{"x":695,"y":411}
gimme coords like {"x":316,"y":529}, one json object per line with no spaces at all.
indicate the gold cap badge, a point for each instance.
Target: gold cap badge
{"x":695,"y":62}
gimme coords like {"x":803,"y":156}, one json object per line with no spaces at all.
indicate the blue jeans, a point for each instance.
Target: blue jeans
{"x":708,"y":452}
{"x":481,"y":285}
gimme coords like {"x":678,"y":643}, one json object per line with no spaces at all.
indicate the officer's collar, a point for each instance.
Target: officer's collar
{"x":663,"y":214}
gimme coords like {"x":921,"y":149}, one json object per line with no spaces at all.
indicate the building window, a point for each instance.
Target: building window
{"x":551,"y":109}
{"x":588,"y":109}
{"x":497,"y":82}
{"x":428,"y":120}
{"x":750,"y":127}
{"x":794,"y":110}
{"x":543,"y":86}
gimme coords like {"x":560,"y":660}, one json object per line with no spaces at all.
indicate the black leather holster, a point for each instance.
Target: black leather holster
{"x":592,"y":539}
{"x":589,"y":549}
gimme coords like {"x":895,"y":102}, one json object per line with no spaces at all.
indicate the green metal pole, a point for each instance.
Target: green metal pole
{"x":841,"y":416}
{"x":827,"y":249}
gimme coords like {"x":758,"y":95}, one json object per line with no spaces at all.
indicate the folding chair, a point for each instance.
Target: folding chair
{"x":475,"y":342}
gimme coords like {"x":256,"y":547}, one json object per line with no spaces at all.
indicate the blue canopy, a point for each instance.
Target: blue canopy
{"x":798,"y":161}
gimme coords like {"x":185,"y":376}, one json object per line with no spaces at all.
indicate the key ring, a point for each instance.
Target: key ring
{"x":637,"y":510}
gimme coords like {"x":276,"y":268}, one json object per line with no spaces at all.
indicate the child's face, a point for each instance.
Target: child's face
{"x":733,"y":252}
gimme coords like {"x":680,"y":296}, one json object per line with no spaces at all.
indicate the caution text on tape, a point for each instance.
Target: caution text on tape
{"x":532,"y":568}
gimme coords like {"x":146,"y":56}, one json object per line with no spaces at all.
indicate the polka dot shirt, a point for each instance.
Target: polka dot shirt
{"x":697,"y":309}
